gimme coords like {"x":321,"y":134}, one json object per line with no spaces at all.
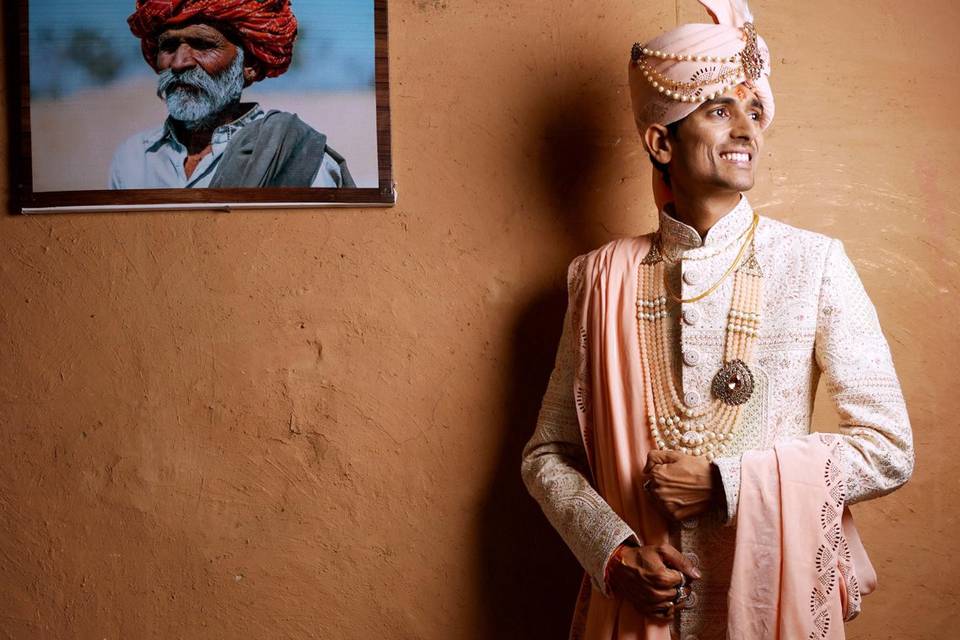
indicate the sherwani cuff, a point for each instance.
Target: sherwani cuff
{"x":730,"y":475}
{"x":619,"y":533}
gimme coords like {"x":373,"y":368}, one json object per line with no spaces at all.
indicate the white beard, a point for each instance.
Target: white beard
{"x":196,"y":98}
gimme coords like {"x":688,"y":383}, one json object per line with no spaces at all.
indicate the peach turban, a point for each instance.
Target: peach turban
{"x":266,"y":28}
{"x":671,"y":75}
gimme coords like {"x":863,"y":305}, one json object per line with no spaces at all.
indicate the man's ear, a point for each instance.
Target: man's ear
{"x":251,"y":71}
{"x":658,"y":143}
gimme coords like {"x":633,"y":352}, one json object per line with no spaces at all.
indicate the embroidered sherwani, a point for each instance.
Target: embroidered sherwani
{"x":816,"y":319}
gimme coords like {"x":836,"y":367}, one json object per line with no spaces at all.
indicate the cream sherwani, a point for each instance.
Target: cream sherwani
{"x":816,"y":319}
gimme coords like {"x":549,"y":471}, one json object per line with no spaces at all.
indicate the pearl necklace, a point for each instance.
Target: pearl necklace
{"x":673,"y":425}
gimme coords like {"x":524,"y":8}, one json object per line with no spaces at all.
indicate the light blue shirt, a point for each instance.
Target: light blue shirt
{"x":153,"y":159}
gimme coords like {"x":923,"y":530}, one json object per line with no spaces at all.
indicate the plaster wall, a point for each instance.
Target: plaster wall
{"x":307,"y":424}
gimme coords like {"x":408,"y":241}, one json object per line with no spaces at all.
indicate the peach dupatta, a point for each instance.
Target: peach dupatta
{"x":612,"y":387}
{"x":799,"y":567}
{"x":800,"y":479}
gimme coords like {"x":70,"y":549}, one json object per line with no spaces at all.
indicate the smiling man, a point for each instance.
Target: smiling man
{"x":674,"y":452}
{"x":205,"y":53}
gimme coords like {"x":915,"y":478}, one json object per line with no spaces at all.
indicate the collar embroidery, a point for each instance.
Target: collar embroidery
{"x":677,"y":237}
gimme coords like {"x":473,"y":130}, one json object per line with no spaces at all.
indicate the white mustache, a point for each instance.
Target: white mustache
{"x":194,"y":97}
{"x":196,"y":78}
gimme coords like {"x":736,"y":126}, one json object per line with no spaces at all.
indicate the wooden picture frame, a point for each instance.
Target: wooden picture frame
{"x":37,"y":182}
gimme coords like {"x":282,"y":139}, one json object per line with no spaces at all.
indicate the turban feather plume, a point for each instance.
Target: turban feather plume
{"x":266,"y":28}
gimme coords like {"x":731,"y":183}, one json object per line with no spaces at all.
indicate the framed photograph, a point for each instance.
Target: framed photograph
{"x":200,"y":104}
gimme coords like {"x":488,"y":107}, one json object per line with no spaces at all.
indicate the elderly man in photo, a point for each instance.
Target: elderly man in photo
{"x":674,"y":451}
{"x":206,"y":52}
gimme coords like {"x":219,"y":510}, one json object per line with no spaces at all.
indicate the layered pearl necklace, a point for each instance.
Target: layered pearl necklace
{"x":673,"y":425}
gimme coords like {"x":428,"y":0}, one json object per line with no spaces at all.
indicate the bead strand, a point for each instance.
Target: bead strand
{"x":659,"y":425}
{"x":686,"y":57}
{"x":755,"y":308}
{"x":663,"y":365}
{"x":736,"y":302}
{"x":647,"y":355}
{"x":741,"y":286}
{"x":668,"y":422}
{"x":749,"y":60}
{"x":729,"y":341}
{"x":672,"y":88}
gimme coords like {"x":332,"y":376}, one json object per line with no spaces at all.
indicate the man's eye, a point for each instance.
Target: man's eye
{"x":755,"y":115}
{"x":719,"y":111}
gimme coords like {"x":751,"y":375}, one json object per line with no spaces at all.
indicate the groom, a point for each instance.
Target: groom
{"x":680,"y":404}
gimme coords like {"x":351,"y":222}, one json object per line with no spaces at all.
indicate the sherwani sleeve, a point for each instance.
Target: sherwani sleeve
{"x":876,"y":444}
{"x":555,"y":471}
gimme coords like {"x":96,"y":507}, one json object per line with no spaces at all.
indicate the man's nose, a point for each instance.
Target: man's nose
{"x":744,"y":127}
{"x":183,"y":58}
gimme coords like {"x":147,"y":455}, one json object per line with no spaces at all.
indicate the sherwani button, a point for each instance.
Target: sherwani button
{"x":691,"y":399}
{"x":691,"y":316}
{"x":691,"y":277}
{"x":691,"y":357}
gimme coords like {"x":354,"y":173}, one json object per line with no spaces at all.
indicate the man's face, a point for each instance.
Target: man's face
{"x":718,"y":145}
{"x":195,"y":45}
{"x":201,"y":73}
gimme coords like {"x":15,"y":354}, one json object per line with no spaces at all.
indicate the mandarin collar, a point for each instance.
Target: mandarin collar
{"x":676,"y":236}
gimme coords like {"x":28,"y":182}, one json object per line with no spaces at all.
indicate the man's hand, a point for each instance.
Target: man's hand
{"x":684,"y":485}
{"x":648,"y":577}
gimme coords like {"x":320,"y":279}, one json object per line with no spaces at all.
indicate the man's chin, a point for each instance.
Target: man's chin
{"x":198,"y":124}
{"x":738,"y":183}
{"x":191,"y":116}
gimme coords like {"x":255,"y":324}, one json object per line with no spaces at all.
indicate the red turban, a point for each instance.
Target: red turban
{"x":266,"y":28}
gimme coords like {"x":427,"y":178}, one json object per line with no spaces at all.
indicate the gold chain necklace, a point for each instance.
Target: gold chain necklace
{"x":751,"y":232}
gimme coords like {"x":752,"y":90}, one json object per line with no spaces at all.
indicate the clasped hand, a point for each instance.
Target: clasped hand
{"x":648,"y":578}
{"x":682,"y":485}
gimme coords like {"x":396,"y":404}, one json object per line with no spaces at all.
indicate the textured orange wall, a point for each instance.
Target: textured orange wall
{"x":298,"y":424}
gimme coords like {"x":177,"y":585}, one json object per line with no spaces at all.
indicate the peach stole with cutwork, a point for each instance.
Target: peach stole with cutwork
{"x":612,"y":388}
{"x":799,"y":567}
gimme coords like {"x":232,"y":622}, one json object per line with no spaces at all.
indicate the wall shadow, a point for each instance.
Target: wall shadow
{"x":529,"y":577}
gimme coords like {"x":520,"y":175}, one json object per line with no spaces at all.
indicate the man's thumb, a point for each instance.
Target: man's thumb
{"x":677,"y":560}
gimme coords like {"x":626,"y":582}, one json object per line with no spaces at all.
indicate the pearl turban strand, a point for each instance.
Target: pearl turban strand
{"x":671,"y":75}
